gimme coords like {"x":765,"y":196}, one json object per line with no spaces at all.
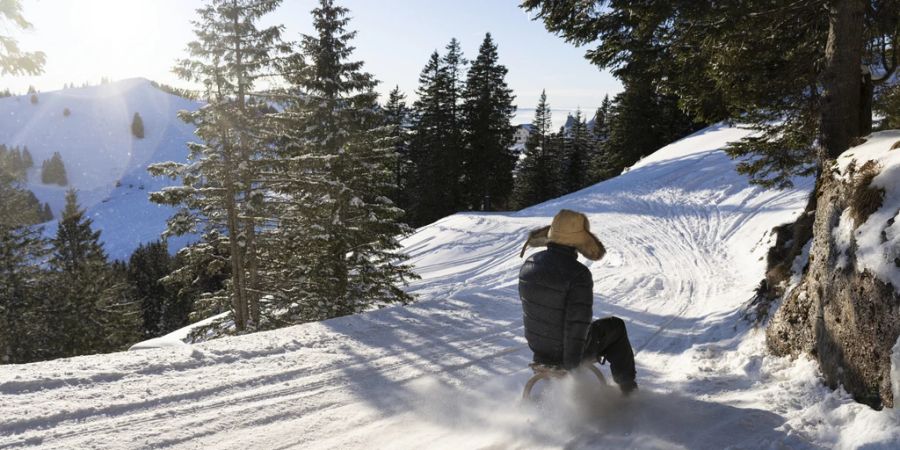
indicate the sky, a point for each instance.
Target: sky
{"x":85,"y":40}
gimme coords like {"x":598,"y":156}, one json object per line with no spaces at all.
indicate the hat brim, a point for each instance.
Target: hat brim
{"x":585,"y":242}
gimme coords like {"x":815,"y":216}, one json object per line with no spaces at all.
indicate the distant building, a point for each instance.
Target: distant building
{"x":521,"y":136}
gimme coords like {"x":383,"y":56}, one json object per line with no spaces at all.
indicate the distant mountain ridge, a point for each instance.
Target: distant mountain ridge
{"x":103,"y":160}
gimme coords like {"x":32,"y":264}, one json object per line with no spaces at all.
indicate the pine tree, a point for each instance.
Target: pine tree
{"x":338,"y":229}
{"x":803,"y":74}
{"x":27,"y":160}
{"x":600,"y":128}
{"x":436,"y":149}
{"x":220,"y":183}
{"x":137,"y":126}
{"x":53,"y":171}
{"x":431,"y":188}
{"x":199,"y":279}
{"x":487,"y":110}
{"x":577,"y":156}
{"x":640,"y":122}
{"x":162,"y":311}
{"x":538,"y":176}
{"x":90,"y":309}
{"x":22,"y":252}
{"x":397,"y":119}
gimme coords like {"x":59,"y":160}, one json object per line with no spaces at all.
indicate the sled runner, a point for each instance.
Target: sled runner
{"x":542,"y":372}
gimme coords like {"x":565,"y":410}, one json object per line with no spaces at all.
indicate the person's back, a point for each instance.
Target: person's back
{"x":557,"y":301}
{"x":556,"y":293}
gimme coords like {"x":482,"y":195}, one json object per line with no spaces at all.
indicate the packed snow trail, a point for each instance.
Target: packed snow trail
{"x":686,"y":239}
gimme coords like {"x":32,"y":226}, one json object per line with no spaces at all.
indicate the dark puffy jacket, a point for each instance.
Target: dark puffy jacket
{"x":557,"y":300}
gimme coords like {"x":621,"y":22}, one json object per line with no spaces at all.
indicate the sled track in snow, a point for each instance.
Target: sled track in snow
{"x":239,"y":398}
{"x":675,"y":236}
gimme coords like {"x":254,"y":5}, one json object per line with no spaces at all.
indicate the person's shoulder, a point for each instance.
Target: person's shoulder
{"x":580,"y":271}
{"x":536,"y":256}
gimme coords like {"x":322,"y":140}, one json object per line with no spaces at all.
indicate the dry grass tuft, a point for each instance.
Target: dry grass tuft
{"x":865,"y":199}
{"x":895,"y":146}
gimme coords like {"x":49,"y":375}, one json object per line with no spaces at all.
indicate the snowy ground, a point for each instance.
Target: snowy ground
{"x":686,"y":239}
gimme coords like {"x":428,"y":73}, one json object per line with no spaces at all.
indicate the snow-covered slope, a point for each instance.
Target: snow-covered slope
{"x":104,"y":161}
{"x":686,"y":237}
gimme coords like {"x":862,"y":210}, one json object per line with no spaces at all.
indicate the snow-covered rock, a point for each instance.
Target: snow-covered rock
{"x":845,"y":311}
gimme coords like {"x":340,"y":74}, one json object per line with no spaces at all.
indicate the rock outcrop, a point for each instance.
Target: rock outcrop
{"x":846,"y":311}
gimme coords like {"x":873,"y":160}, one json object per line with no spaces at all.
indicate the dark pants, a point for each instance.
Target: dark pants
{"x":608,"y":339}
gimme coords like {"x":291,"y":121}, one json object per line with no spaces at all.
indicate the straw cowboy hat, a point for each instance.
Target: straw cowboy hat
{"x":568,"y":228}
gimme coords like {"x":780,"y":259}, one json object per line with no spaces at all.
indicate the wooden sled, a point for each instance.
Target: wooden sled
{"x":542,"y":372}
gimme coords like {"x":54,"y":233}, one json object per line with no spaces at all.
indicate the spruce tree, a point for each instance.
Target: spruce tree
{"x":802,"y":74}
{"x":397,"y":120}
{"x":600,"y":128}
{"x":577,"y":156}
{"x":162,"y":310}
{"x":137,"y":126}
{"x":431,"y":186}
{"x":640,"y":122}
{"x":487,"y":110}
{"x":338,"y":228}
{"x":22,"y":253}
{"x":91,"y":310}
{"x":537,"y":179}
{"x":437,"y":146}
{"x":199,"y":278}
{"x":220,"y":188}
{"x":27,"y":160}
{"x":53,"y":171}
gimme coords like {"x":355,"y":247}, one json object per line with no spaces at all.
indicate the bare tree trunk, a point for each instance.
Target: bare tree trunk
{"x":238,"y":299}
{"x":249,"y":266}
{"x":842,"y":80}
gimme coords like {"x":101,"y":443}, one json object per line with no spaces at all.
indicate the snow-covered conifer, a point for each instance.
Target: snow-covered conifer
{"x":220,"y":188}
{"x":338,"y":228}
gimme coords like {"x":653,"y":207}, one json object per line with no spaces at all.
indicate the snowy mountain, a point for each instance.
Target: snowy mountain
{"x":103,"y":160}
{"x":686,"y":238}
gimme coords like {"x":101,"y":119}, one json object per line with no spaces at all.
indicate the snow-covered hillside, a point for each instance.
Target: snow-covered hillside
{"x":686,"y":238}
{"x":104,"y":161}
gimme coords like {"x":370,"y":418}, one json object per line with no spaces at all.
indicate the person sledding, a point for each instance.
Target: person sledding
{"x":557,"y":301}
